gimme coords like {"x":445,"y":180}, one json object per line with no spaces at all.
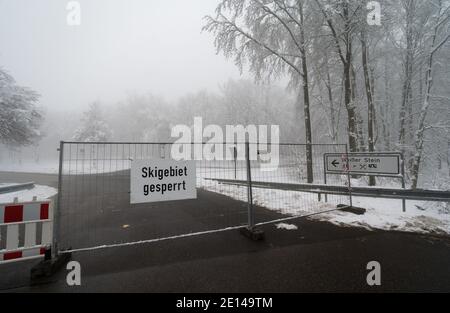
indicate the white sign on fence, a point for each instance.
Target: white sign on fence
{"x":364,"y":163}
{"x":159,"y":180}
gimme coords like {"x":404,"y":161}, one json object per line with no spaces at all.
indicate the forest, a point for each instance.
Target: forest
{"x":321,"y":70}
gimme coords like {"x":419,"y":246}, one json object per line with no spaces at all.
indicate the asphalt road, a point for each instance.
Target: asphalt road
{"x":318,"y":257}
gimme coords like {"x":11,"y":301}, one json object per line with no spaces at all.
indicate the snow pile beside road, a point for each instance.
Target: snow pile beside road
{"x":383,"y":214}
{"x":284,"y":202}
{"x":39,"y":191}
{"x":286,"y":226}
{"x":386,"y":214}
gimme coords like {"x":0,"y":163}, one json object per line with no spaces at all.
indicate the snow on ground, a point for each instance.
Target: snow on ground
{"x":284,"y":202}
{"x":383,"y":214}
{"x":41,"y":192}
{"x":286,"y":226}
{"x":387,"y":214}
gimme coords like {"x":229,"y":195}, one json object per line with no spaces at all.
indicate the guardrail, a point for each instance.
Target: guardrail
{"x":407,"y":194}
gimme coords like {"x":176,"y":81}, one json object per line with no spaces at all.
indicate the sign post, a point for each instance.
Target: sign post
{"x":160,"y":180}
{"x":346,"y":165}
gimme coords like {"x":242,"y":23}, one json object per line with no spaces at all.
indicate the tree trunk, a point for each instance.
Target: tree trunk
{"x":448,"y":157}
{"x":406,"y":108}
{"x":359,"y":119}
{"x":385,"y":110}
{"x":332,"y":110}
{"x":308,"y":131}
{"x":352,"y":129}
{"x":421,"y":127}
{"x":346,"y":59}
{"x":369,"y":95}
{"x":350,"y":105}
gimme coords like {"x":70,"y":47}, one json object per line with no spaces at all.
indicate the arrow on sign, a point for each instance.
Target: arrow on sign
{"x":335,"y":163}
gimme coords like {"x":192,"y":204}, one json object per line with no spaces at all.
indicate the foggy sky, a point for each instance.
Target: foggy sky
{"x":121,"y":46}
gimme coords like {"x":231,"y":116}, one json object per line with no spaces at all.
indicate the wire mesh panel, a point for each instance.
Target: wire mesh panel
{"x":95,"y":207}
{"x":94,"y":201}
{"x":293,"y":186}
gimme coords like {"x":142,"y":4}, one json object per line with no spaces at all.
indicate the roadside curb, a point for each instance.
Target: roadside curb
{"x":16,"y":187}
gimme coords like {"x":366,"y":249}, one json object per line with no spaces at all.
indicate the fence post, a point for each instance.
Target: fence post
{"x":250,"y":231}
{"x":251,"y":220}
{"x":349,"y":178}
{"x":235,"y":161}
{"x":57,"y":207}
{"x":403,"y":181}
{"x":325,"y":174}
{"x":53,"y":260}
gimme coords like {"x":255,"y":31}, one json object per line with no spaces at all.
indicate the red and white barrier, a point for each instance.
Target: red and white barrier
{"x":29,"y":214}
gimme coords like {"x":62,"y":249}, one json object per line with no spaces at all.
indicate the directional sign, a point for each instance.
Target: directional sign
{"x":162,"y":180}
{"x":364,"y":163}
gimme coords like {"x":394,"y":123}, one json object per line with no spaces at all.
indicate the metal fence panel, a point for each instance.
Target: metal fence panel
{"x":273,"y":189}
{"x":94,"y":200}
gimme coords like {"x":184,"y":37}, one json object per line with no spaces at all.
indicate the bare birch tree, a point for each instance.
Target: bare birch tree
{"x":342,"y":18}
{"x":270,"y":37}
{"x":439,"y":37}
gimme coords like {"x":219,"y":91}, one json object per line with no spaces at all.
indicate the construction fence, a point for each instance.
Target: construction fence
{"x":94,"y":209}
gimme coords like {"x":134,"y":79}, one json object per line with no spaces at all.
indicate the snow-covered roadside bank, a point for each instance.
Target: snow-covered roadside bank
{"x":386,"y":214}
{"x":284,"y":202}
{"x":383,"y":214}
{"x":39,"y":191}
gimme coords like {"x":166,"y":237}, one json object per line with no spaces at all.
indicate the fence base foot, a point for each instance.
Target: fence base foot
{"x":45,"y":269}
{"x":351,"y":209}
{"x":254,"y":233}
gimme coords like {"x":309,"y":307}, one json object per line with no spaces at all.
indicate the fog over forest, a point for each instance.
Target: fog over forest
{"x":133,"y":69}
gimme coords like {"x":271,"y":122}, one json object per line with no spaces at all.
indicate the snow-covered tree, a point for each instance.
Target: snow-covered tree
{"x":438,"y":38}
{"x":271,"y":37}
{"x":93,"y":127}
{"x":344,"y":22}
{"x":20,"y":118}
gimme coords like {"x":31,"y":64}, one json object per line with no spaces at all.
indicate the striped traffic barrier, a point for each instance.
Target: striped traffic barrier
{"x":29,"y":214}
